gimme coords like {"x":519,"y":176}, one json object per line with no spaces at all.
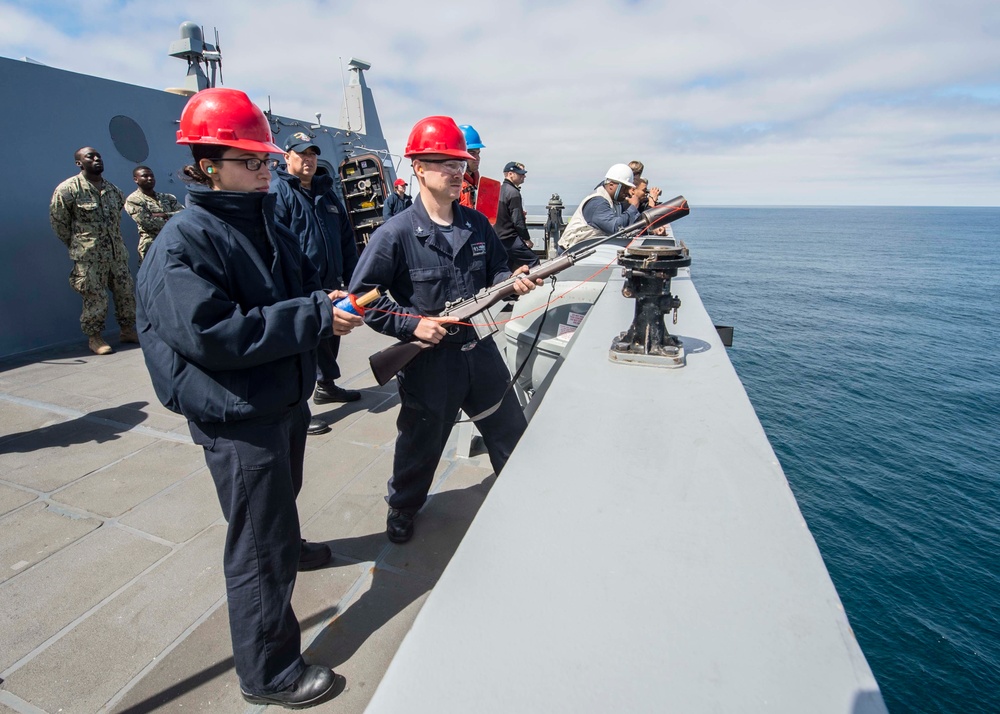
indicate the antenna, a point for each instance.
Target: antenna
{"x":192,"y":48}
{"x":218,"y":48}
{"x":212,"y":57}
{"x":347,"y":107}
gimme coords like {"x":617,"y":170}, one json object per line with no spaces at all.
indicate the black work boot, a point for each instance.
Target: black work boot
{"x":315,"y":685}
{"x":399,"y":525}
{"x":328,"y":392}
{"x":317,"y":426}
{"x":314,"y":555}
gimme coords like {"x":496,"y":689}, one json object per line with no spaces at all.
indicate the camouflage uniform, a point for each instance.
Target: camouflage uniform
{"x":88,"y":221}
{"x":141,"y":207}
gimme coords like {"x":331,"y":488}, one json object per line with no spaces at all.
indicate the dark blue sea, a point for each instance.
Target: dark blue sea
{"x":869,"y":342}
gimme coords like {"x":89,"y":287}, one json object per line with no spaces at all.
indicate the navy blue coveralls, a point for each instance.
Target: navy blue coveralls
{"x":411,"y":258}
{"x":326,"y":236}
{"x":229,"y":313}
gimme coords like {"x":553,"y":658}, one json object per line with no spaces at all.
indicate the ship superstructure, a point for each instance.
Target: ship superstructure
{"x":58,"y":111}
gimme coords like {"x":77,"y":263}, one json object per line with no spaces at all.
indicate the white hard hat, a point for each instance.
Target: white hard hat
{"x":620,"y":173}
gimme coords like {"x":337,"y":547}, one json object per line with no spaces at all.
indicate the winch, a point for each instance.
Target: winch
{"x":647,"y":269}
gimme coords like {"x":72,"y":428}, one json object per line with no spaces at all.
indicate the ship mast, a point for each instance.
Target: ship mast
{"x":200,"y":56}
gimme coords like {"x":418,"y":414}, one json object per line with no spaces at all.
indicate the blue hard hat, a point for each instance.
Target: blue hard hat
{"x":472,"y":140}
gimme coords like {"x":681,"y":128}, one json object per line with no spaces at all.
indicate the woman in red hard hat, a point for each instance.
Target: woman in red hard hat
{"x":435,"y":252}
{"x":231,"y":313}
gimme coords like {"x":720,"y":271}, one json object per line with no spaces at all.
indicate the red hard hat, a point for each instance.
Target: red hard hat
{"x":436,"y":135}
{"x":225,"y":117}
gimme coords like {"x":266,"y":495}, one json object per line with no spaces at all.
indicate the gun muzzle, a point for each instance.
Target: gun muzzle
{"x":666,"y":212}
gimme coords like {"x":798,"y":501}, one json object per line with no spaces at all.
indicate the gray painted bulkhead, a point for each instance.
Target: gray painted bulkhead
{"x":48,"y":114}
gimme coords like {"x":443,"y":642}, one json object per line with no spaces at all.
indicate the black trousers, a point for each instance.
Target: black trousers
{"x":518,"y":253}
{"x":432,"y":389}
{"x":257,"y":469}
{"x":327,"y":369}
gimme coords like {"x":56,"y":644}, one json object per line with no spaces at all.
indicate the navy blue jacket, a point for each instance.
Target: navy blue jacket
{"x":225,"y":335}
{"x":322,"y":225}
{"x":510,"y":223}
{"x":511,"y":228}
{"x":409,"y":256}
{"x":394,"y":204}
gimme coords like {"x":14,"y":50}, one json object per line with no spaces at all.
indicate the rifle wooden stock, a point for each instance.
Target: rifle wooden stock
{"x":386,"y":363}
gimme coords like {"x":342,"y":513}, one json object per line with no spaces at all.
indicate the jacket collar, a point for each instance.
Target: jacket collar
{"x":244,"y":212}
{"x":427,"y":231}
{"x":320,"y":183}
{"x":227,"y":203}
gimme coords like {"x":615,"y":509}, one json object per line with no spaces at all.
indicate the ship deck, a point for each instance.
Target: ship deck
{"x":111,"y":583}
{"x":642,"y":552}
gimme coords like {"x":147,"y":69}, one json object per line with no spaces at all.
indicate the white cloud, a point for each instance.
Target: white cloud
{"x":762,"y":102}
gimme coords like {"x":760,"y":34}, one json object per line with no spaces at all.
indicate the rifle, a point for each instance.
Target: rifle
{"x":388,"y":362}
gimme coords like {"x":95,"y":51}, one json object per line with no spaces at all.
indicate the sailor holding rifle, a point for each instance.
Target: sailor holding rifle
{"x":435,"y":252}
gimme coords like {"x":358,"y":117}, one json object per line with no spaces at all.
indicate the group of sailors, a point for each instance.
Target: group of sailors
{"x":234,"y":307}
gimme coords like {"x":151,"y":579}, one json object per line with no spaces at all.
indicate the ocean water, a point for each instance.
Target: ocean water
{"x":869,"y":342}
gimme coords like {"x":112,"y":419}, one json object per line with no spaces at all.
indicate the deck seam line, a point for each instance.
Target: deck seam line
{"x":159,"y":658}
{"x":367,"y":574}
{"x":21,"y":706}
{"x":83,"y":617}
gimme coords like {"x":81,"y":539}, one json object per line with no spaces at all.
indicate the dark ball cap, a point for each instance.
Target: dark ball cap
{"x":516,"y":167}
{"x":299,"y":142}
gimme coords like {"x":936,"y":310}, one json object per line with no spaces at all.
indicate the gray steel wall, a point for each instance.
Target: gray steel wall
{"x":47,"y":115}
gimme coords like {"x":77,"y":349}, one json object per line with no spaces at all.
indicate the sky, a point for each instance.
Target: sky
{"x":771,"y":102}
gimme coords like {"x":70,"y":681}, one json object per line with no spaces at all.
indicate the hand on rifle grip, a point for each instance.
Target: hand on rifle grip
{"x":431,"y":329}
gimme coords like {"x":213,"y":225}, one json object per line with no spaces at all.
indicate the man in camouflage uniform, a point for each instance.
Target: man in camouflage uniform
{"x":85,"y":213}
{"x":148,"y":208}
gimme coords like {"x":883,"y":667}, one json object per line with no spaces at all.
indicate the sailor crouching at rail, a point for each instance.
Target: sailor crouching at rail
{"x":434,"y":252}
{"x":611,"y":207}
{"x":230,"y":313}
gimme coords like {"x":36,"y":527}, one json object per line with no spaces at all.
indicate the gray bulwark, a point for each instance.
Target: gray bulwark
{"x":641,"y":552}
